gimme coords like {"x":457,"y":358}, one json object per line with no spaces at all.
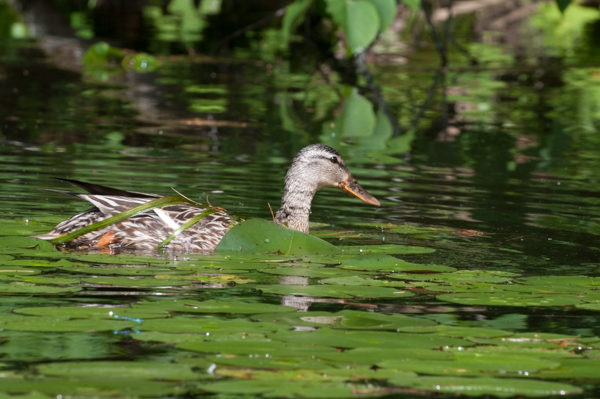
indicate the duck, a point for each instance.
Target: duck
{"x":314,"y":167}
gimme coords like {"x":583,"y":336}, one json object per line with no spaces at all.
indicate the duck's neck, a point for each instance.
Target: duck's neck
{"x":295,"y":202}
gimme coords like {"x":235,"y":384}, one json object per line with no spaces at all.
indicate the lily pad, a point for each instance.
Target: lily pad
{"x":346,"y":319}
{"x":18,"y":287}
{"x":212,"y":306}
{"x":91,"y":386}
{"x":464,"y":332}
{"x":135,"y":282}
{"x":510,"y":299}
{"x":56,"y":324}
{"x":368,"y":339}
{"x":312,"y":271}
{"x":261,"y":236}
{"x":474,"y":364}
{"x":502,"y":387}
{"x":118,"y":369}
{"x":386,"y":263}
{"x":330,"y":291}
{"x":88,"y":312}
{"x":29,"y":243}
{"x":389,"y":249}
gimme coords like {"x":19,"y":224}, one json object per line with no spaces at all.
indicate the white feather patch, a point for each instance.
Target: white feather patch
{"x":166,"y":218}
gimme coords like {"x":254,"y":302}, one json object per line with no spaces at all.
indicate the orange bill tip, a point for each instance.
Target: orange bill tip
{"x":351,"y":186}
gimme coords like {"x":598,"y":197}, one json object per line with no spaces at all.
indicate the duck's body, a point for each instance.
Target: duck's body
{"x":313,"y":168}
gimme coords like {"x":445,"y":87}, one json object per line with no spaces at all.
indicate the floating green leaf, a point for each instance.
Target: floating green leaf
{"x":510,"y":299}
{"x":260,"y":236}
{"x":386,"y":263}
{"x":87,"y":312}
{"x":330,"y":291}
{"x":118,"y":369}
{"x":212,"y":306}
{"x":502,"y":387}
{"x":347,"y":319}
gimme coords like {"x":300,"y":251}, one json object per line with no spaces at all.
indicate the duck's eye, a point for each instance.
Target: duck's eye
{"x":333,"y":160}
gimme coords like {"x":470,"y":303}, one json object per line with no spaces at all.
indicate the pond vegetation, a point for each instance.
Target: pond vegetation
{"x":478,"y":276}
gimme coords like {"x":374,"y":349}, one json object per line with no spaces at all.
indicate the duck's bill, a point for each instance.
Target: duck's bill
{"x":351,"y":186}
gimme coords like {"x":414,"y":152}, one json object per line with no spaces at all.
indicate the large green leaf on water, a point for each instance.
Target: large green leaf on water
{"x":386,"y":263}
{"x":91,"y":387}
{"x":89,"y":312}
{"x":41,"y":279}
{"x":406,"y":228}
{"x":510,"y":299}
{"x":575,"y":368}
{"x":212,"y":306}
{"x":210,"y":326}
{"x":135,"y":282}
{"x":330,"y":291}
{"x":279,"y":362}
{"x":33,"y":244}
{"x":246,"y":346}
{"x":372,"y":339}
{"x":19,"y":287}
{"x":540,"y":341}
{"x":371,"y":356}
{"x":261,"y":236}
{"x":589,"y":306}
{"x":122,"y":270}
{"x":370,"y":281}
{"x":464,"y":332}
{"x":558,"y":284}
{"x":346,"y":319}
{"x":55,"y":324}
{"x":389,"y":249}
{"x":119,"y":369}
{"x":12,"y":271}
{"x":473,"y":364}
{"x":500,"y":387}
{"x":475,"y":276}
{"x":284,"y":387}
{"x":311,"y":271}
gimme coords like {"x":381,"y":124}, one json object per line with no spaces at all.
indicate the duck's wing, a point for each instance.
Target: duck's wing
{"x":97,"y":189}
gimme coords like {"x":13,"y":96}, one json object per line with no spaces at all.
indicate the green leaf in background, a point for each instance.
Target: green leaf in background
{"x":358,"y":117}
{"x":360,"y":20}
{"x":386,"y":9}
{"x":293,"y":17}
{"x":362,"y":24}
{"x":260,"y":236}
{"x":337,"y":10}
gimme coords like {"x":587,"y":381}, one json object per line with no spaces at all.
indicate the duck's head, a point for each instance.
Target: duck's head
{"x":318,"y":166}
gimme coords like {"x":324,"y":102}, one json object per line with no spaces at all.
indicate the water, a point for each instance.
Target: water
{"x":496,"y":170}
